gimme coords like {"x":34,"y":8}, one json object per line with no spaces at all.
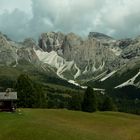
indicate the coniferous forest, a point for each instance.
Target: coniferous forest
{"x":32,"y":94}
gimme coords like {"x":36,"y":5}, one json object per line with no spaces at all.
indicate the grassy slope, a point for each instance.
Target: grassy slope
{"x":9,"y":75}
{"x":37,"y":124}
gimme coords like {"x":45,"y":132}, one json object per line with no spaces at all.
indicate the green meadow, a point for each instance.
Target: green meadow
{"x":45,"y":124}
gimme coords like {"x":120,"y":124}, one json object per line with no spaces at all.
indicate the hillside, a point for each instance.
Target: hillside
{"x":39,"y":124}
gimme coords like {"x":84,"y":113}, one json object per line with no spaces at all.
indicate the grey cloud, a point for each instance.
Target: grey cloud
{"x":117,"y":18}
{"x":14,"y":24}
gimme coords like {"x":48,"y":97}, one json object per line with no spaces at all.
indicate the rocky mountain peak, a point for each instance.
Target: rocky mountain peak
{"x":4,"y":43}
{"x":3,"y":40}
{"x":99,"y":35}
{"x":30,"y":43}
{"x":51,"y":41}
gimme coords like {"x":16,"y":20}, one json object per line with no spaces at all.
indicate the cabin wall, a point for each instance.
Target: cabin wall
{"x":7,"y":105}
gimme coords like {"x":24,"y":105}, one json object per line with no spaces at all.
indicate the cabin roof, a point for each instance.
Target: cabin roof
{"x":8,"y":96}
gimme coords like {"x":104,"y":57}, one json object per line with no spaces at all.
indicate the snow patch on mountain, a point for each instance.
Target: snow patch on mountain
{"x":129,"y":82}
{"x":56,"y":61}
{"x":76,"y":84}
{"x":73,"y":82}
{"x":108,"y":75}
{"x":60,"y":70}
{"x":93,"y":68}
{"x":63,"y":68}
{"x":78,"y":73}
{"x":50,"y":58}
{"x":102,"y":66}
{"x":85,"y":71}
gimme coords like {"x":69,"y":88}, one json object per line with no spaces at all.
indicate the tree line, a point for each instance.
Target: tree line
{"x":31,"y":94}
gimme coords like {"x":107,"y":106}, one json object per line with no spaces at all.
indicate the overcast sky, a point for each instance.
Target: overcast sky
{"x":20,"y":19}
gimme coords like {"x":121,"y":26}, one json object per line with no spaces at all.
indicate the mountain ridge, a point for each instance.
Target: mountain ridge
{"x":95,"y":59}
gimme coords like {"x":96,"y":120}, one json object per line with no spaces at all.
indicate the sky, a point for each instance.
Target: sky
{"x":20,"y":19}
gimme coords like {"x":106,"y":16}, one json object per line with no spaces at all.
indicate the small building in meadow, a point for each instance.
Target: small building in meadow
{"x":8,"y":100}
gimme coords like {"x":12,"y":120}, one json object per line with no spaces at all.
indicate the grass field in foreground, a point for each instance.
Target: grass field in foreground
{"x":39,"y":124}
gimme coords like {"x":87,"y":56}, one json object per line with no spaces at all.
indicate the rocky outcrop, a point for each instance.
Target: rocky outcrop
{"x":132,"y":50}
{"x":99,"y":36}
{"x":12,"y":52}
{"x":7,"y":52}
{"x":51,"y":41}
{"x":89,"y":55}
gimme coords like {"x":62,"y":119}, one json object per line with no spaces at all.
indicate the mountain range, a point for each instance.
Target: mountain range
{"x":97,"y":60}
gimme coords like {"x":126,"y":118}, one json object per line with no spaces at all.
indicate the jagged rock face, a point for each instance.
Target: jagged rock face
{"x":7,"y":53}
{"x":92,"y":56}
{"x":75,"y":48}
{"x":27,"y":51}
{"x":132,"y":50}
{"x":89,"y":55}
{"x":51,"y":41}
{"x":12,"y":52}
{"x":27,"y":54}
{"x":30,"y":43}
{"x":126,"y":42}
{"x":70,"y":46}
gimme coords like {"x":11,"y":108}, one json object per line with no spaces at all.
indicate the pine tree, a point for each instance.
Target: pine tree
{"x":75,"y":102}
{"x":108,"y":104}
{"x":30,"y":94}
{"x":89,"y":102}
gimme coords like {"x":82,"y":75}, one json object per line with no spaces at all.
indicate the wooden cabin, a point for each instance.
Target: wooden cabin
{"x":8,"y":100}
